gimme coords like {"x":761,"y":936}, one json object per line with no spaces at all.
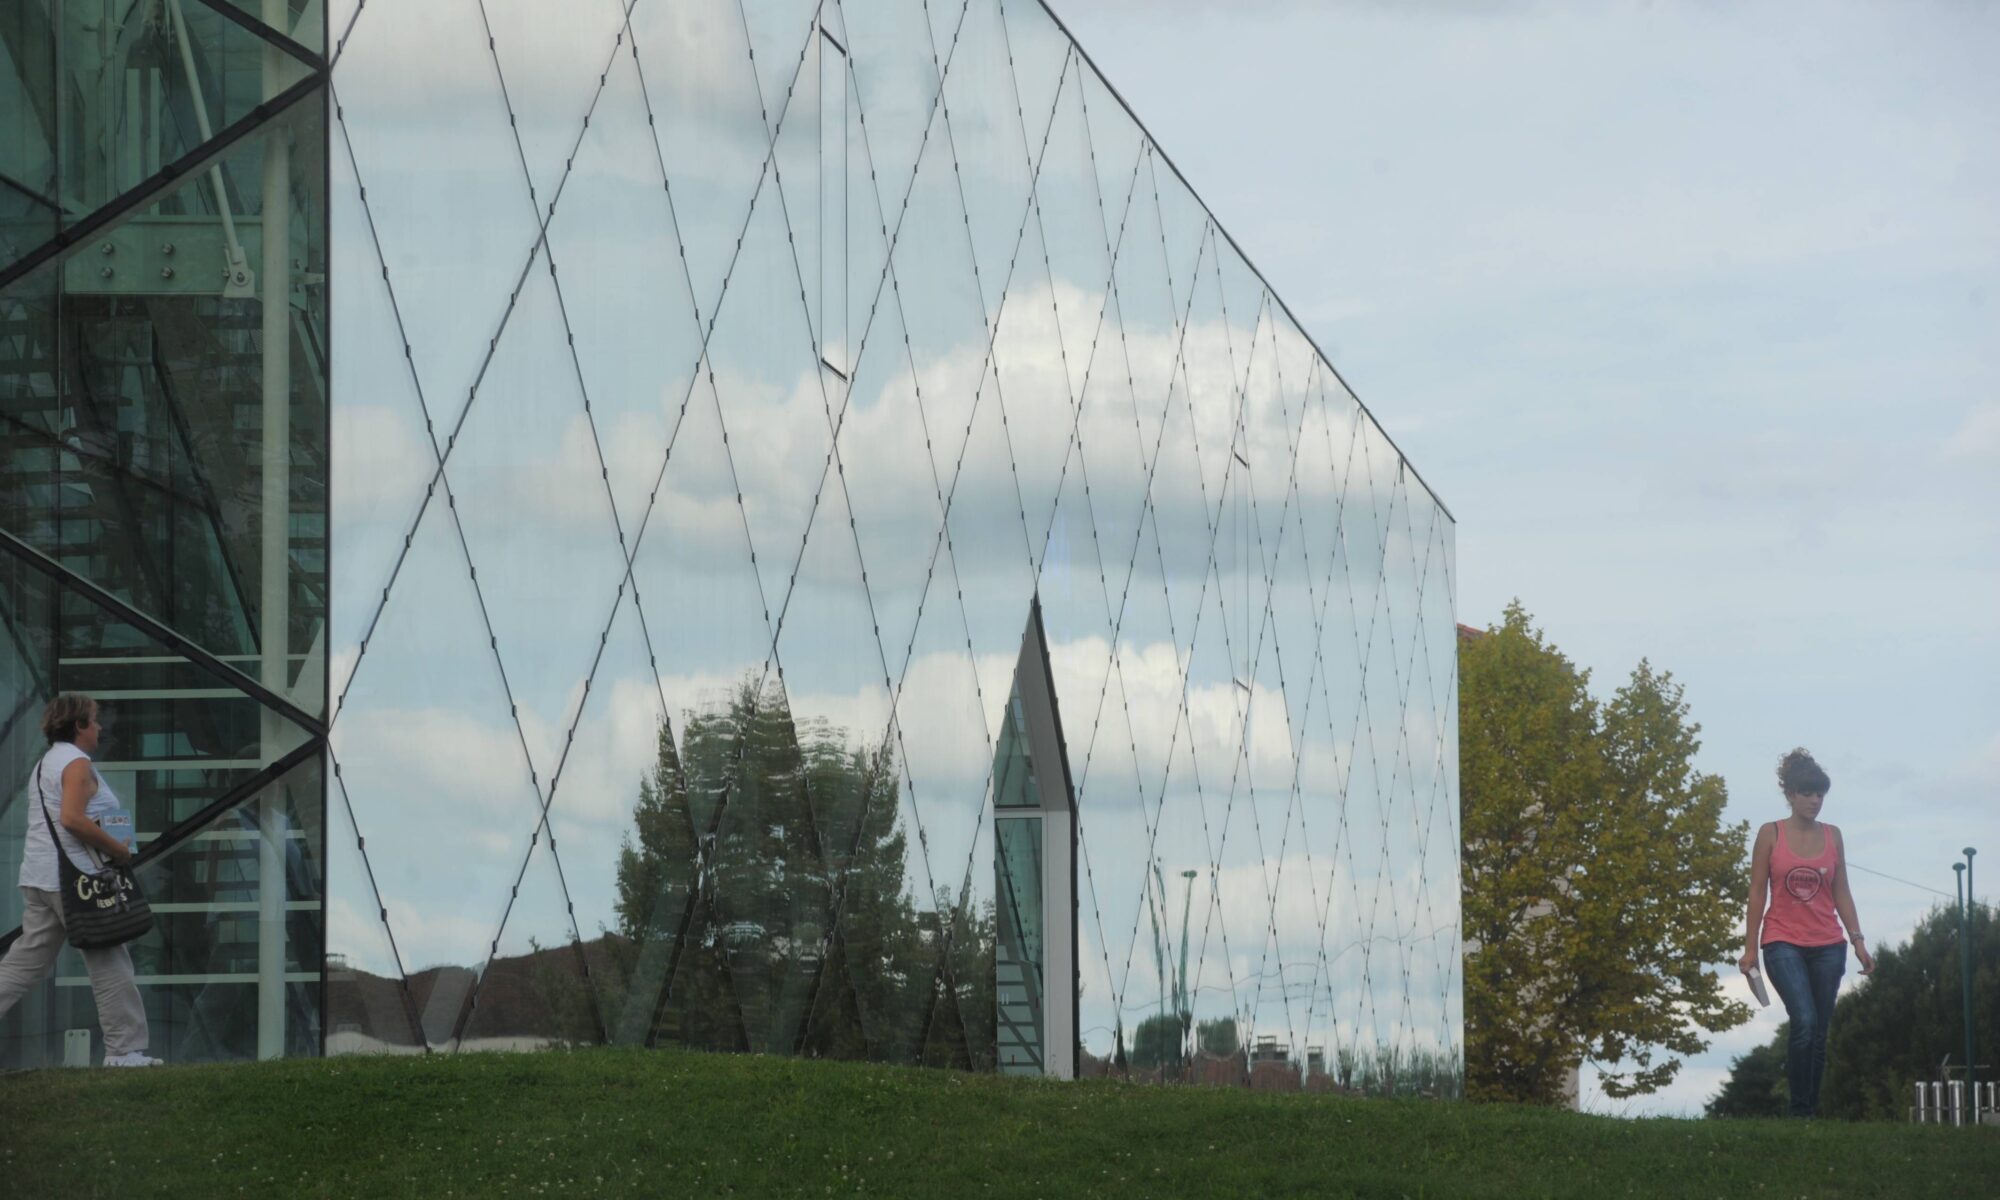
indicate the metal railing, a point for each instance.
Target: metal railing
{"x":1949,"y":1102}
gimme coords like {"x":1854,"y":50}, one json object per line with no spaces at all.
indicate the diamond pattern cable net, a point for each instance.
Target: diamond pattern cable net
{"x":731,"y":379}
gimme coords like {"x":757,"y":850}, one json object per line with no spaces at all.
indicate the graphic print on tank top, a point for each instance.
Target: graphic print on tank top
{"x":1805,"y":882}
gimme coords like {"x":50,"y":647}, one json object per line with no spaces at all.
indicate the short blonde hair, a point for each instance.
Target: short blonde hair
{"x":67,"y":714}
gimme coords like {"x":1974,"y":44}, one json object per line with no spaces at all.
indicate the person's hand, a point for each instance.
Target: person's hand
{"x":122,"y":855}
{"x":1867,"y":959}
{"x":1748,"y":962}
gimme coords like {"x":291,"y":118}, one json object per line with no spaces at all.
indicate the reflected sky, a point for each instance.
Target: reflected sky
{"x":627,"y":465}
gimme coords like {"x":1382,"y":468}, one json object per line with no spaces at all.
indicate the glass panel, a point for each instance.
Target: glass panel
{"x":1031,"y":384}
{"x":30,"y":316}
{"x":1040,"y":54}
{"x":770,"y":904}
{"x":626,"y":297}
{"x":918,"y":380}
{"x":880,"y":964}
{"x":1019,"y":960}
{"x":989,"y":556}
{"x":709,"y":118}
{"x":1212,"y":386}
{"x":1183,"y":859}
{"x":839,"y":152}
{"x":797,"y":167}
{"x":454,"y":230}
{"x":941,"y":735}
{"x":387,"y":468}
{"x":1077,"y":234}
{"x":553,"y":61}
{"x":530,"y":483}
{"x":706,"y":613}
{"x":147,"y":88}
{"x":533,"y":991}
{"x":775,"y":398}
{"x":781,"y":32}
{"x":994,"y":157}
{"x":211,"y":994}
{"x":830,"y":660}
{"x":303,"y":21}
{"x":1116,"y":146}
{"x":893,"y":488}
{"x":431,"y":755}
{"x":616,"y":808}
{"x":214,"y":918}
{"x":1184,"y":228}
{"x":150,"y":466}
{"x":369,"y":1007}
{"x":175,"y":735}
{"x":29,"y":211}
{"x":1270,"y":434}
{"x":895,"y":92}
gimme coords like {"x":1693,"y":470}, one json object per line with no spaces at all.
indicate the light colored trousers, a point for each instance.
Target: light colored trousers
{"x":29,"y":959}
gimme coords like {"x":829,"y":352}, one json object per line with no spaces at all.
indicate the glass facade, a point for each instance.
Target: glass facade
{"x":826,"y":546}
{"x":163,"y":490}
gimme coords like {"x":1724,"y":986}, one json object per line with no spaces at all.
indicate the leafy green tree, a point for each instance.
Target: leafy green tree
{"x":1599,"y":879}
{"x":1756,"y":1085}
{"x":1900,"y":1024}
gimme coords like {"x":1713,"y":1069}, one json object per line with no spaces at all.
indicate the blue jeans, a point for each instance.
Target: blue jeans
{"x":1807,"y":979}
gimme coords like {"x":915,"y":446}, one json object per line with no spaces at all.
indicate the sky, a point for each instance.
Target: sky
{"x":1690,"y":313}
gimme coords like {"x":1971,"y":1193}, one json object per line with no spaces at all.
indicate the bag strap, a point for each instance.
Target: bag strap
{"x":55,"y":838}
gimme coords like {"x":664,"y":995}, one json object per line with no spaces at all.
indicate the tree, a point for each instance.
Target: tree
{"x":1599,"y":879}
{"x":1218,"y":1037}
{"x":1156,"y":1042}
{"x":1756,"y":1085}
{"x":776,"y":846}
{"x":1898,"y":1026}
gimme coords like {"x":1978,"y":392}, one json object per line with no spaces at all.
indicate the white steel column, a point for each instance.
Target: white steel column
{"x":1058,"y":947}
{"x":275,"y":555}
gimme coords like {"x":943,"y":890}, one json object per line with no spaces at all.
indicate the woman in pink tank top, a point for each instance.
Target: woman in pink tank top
{"x":1802,"y":864}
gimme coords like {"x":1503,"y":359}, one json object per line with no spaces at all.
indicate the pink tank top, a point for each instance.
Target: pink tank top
{"x":1801,"y":909}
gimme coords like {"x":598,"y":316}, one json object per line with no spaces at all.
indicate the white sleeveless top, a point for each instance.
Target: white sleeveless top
{"x":38,"y":861}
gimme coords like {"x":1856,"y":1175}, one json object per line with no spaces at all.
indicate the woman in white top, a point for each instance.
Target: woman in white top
{"x":70,"y":791}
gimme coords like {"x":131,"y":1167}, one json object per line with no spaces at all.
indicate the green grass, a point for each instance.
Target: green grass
{"x":629,"y":1123}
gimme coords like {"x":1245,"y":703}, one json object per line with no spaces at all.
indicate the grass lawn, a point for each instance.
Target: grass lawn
{"x":668,"y":1123}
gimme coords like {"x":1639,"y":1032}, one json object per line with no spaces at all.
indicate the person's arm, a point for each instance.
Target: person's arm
{"x":1760,"y":886}
{"x":79,"y":785}
{"x":1843,"y":903}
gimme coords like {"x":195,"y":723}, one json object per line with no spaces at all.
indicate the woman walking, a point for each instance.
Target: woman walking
{"x":67,"y":798}
{"x":1802,"y":864}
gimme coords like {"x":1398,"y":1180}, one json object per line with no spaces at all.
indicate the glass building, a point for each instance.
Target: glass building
{"x":765,"y":525}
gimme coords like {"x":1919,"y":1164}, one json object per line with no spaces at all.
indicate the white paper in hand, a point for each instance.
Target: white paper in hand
{"x":1756,"y":979}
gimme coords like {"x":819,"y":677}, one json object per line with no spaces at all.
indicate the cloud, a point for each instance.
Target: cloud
{"x":1977,"y":438}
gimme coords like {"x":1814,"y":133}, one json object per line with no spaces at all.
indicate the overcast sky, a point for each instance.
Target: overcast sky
{"x":1689,"y":313}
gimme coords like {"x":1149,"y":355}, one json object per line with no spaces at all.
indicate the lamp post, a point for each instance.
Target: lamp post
{"x":1965,"y":971}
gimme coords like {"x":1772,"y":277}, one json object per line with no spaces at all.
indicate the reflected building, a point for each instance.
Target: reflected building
{"x":779,"y":527}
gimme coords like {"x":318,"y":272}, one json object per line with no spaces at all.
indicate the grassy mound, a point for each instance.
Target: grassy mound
{"x":630,"y":1123}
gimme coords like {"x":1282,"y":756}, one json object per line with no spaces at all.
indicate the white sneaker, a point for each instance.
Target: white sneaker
{"x":137,"y":1058}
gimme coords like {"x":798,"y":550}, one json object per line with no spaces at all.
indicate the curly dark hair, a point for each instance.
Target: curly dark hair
{"x":1800,"y":775}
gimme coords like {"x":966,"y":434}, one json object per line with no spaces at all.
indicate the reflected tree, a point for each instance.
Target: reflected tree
{"x":769,"y":853}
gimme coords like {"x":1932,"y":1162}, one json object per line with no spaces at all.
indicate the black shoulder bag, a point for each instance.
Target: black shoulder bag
{"x":100,"y":909}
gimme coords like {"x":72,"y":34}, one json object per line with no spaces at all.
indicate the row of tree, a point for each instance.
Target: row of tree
{"x":1893,"y":1031}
